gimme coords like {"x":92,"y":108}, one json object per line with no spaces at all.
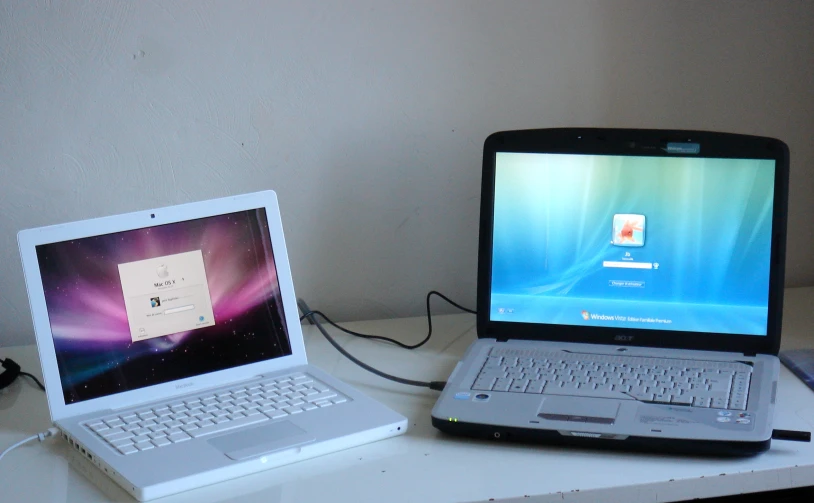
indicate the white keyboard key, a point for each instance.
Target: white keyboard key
{"x":110,"y":432}
{"x":118,"y":436}
{"x":179,"y":437}
{"x":535,"y":387}
{"x":276,"y":414}
{"x":502,"y":384}
{"x":484,"y":384}
{"x":320,"y":396}
{"x":127,"y":449}
{"x":99,"y":427}
{"x":122,"y":442}
{"x":738,"y":402}
{"x":519,"y":385}
{"x":682,"y":399}
{"x":145,"y":446}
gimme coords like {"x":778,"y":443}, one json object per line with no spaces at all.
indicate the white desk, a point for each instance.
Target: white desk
{"x":425,"y":465}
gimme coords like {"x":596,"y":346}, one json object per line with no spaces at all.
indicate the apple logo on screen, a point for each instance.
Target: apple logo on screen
{"x":162,"y":271}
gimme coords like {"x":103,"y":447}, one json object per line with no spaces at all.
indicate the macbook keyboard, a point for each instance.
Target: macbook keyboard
{"x":718,"y":385}
{"x":183,"y":420}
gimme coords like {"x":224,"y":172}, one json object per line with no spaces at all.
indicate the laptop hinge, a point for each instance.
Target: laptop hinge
{"x":750,"y":355}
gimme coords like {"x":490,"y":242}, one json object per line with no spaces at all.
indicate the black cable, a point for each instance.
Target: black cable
{"x":39,"y":384}
{"x":12,"y":371}
{"x":462,"y":308}
{"x":436,"y":385}
{"x":308,"y":314}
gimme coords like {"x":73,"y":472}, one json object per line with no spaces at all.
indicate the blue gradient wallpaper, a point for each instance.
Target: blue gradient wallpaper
{"x":637,"y":242}
{"x":89,"y":321}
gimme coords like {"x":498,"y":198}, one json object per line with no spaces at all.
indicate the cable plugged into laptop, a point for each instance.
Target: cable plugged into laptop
{"x":310,"y":315}
{"x":793,"y":435}
{"x":50,"y":432}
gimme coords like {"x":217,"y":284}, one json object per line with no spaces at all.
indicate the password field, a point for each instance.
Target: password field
{"x":180,"y":309}
{"x":627,"y":265}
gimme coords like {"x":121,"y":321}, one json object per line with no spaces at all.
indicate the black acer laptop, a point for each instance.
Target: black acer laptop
{"x":630,"y":291}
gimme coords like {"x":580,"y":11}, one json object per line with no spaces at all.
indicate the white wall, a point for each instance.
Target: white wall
{"x":367,"y":117}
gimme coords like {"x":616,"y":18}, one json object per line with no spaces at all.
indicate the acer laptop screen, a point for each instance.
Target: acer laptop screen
{"x":642,"y":242}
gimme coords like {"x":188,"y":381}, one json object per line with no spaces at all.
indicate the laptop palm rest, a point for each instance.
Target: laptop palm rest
{"x":580,"y":409}
{"x":262,"y":440}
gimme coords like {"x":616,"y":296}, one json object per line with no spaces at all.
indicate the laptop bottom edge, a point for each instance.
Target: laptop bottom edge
{"x":716,"y":448}
{"x":239,"y":469}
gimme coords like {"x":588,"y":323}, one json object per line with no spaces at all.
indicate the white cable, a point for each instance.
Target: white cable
{"x":39,"y":436}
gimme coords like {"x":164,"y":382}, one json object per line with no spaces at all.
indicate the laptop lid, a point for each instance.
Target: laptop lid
{"x":639,"y":237}
{"x":152,"y":304}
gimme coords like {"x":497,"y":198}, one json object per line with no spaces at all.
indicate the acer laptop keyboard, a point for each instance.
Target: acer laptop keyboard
{"x":717,"y":385}
{"x":183,"y":420}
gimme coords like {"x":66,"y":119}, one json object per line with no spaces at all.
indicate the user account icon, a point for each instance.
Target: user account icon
{"x":628,"y":229}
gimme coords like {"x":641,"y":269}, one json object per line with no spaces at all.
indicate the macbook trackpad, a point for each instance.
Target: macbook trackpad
{"x":580,"y":409}
{"x":262,"y":440}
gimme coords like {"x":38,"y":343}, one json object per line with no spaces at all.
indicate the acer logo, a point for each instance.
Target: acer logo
{"x":184,"y":385}
{"x":623,"y":338}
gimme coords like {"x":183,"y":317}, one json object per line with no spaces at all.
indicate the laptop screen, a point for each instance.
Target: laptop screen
{"x":152,"y":305}
{"x":661,"y":243}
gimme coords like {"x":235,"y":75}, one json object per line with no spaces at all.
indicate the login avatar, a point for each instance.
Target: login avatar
{"x":628,"y":229}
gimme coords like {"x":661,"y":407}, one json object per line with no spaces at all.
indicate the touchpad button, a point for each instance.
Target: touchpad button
{"x":582,"y":410}
{"x":262,"y":440}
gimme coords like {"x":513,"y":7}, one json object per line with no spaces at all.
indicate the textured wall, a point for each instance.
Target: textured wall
{"x":367,"y":117}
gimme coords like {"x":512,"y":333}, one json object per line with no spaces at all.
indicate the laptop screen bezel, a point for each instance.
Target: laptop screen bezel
{"x":29,"y":239}
{"x":634,"y":142}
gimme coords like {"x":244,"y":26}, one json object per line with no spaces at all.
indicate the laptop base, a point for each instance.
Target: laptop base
{"x":589,"y":440}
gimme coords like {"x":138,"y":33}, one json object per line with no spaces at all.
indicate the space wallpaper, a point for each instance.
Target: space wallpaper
{"x":86,"y":309}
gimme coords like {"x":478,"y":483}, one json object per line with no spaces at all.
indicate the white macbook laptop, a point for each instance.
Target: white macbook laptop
{"x":172,"y":351}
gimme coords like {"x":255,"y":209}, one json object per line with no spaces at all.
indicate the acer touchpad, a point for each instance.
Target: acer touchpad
{"x":262,"y":440}
{"x":579,"y":409}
